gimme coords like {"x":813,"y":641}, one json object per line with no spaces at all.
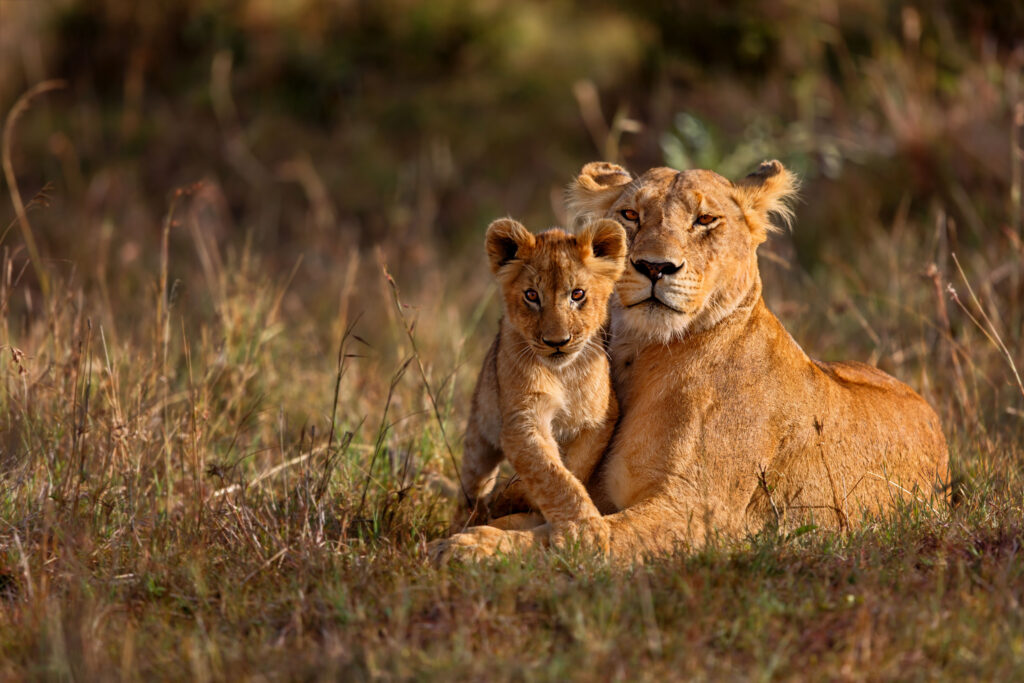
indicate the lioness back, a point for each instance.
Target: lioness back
{"x":546,"y":377}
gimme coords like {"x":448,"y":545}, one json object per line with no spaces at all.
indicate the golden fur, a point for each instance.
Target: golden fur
{"x":544,"y":396}
{"x":726,"y":424}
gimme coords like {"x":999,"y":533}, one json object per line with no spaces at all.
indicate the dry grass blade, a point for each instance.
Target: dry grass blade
{"x":988,"y":329}
{"x":947,"y":333}
{"x":17,"y":110}
{"x":408,"y":328}
{"x":382,"y":430}
{"x":347,"y":440}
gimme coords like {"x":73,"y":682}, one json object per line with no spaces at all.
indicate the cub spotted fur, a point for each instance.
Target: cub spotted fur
{"x":544,"y":398}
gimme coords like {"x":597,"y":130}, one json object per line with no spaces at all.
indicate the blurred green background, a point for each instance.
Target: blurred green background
{"x":397,"y":129}
{"x":330,"y":122}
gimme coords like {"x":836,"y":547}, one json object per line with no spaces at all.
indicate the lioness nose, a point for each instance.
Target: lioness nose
{"x":555,"y":344}
{"x":655,"y":271}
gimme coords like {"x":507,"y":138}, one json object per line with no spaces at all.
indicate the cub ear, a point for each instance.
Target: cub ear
{"x":771,"y":189}
{"x":603,"y":243}
{"x":506,"y":239}
{"x":596,"y":188}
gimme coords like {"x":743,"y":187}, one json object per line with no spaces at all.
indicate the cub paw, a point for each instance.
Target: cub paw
{"x":589,"y":534}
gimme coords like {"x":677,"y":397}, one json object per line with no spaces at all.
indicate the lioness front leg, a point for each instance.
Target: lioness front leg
{"x":655,"y":526}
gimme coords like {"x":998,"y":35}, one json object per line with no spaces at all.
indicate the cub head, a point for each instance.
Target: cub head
{"x":693,"y":238}
{"x":555,"y":286}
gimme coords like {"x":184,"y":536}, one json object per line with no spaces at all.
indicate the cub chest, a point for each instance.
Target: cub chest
{"x":581,"y":405}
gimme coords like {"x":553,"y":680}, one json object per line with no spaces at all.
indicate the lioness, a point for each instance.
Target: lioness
{"x":544,"y":396}
{"x":726,"y":424}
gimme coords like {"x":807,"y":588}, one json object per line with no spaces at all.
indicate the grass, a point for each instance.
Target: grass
{"x":228,"y":411}
{"x":178,"y":503}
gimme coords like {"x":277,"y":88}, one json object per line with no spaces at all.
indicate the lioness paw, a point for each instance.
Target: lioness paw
{"x":477,"y":543}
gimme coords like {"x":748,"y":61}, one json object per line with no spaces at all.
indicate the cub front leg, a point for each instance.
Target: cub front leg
{"x":585,"y":451}
{"x":530,"y":447}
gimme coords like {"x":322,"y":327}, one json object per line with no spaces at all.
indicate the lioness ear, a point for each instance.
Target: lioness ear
{"x":505,"y":240}
{"x":596,"y":188}
{"x":770,"y":189}
{"x":603,"y":243}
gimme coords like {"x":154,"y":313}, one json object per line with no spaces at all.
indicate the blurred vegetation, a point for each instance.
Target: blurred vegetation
{"x":223,"y":423}
{"x":422,"y":120}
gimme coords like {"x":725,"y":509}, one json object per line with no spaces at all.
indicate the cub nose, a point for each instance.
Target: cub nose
{"x":655,"y":271}
{"x":556,"y":343}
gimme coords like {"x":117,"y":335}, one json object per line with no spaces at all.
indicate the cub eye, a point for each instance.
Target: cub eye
{"x":578,"y":295}
{"x":630,"y":215}
{"x":531,"y":296}
{"x":705,"y":219}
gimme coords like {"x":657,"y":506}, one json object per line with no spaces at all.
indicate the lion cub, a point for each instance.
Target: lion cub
{"x":544,"y":397}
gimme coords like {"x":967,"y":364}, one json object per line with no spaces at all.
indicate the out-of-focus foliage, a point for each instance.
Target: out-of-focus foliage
{"x":427,"y":118}
{"x":418,"y":118}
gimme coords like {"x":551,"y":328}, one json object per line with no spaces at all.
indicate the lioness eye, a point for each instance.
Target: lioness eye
{"x":705,"y":219}
{"x":578,"y":294}
{"x":630,"y":215}
{"x":531,"y":295}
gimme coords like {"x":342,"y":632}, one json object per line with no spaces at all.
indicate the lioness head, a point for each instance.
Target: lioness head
{"x":693,"y":238}
{"x":555,"y":285}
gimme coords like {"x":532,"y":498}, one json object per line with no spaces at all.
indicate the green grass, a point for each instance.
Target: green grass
{"x":226,"y":426}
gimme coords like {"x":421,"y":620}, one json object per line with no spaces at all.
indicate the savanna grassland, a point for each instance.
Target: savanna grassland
{"x":243,"y":300}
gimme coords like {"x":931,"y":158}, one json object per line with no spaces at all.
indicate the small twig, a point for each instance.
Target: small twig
{"x":280,"y":467}
{"x":17,"y":110}
{"x":382,"y":431}
{"x":347,"y":439}
{"x":193,"y":427}
{"x":947,"y":331}
{"x":994,"y":337}
{"x":41,"y":199}
{"x":651,"y":630}
{"x":762,"y":482}
{"x":893,"y":484}
{"x":78,"y":420}
{"x":841,"y":517}
{"x":24,"y":565}
{"x":278,"y":555}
